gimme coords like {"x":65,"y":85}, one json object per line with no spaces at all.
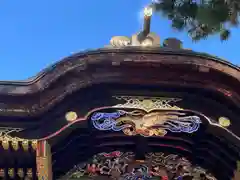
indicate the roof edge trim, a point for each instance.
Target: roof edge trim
{"x":147,"y":50}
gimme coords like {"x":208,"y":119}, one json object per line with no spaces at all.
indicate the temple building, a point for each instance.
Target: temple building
{"x":137,"y":109}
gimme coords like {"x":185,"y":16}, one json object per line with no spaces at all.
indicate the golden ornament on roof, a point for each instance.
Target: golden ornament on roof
{"x":224,"y":122}
{"x":71,"y":116}
{"x":148,"y":11}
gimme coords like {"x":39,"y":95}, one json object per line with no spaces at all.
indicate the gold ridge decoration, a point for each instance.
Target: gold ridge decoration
{"x":148,"y":103}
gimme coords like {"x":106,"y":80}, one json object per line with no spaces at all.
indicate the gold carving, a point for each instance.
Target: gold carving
{"x":20,"y":172}
{"x":11,"y":172}
{"x":155,"y":123}
{"x":148,"y":103}
{"x":2,"y":173}
{"x":15,"y":144}
{"x":29,"y":173}
{"x":25,"y":145}
{"x":71,"y":116}
{"x":5,"y":143}
{"x":6,"y":138}
{"x":34,"y":144}
{"x":224,"y":122}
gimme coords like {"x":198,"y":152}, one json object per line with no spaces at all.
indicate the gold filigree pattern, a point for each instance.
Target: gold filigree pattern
{"x":4,"y":131}
{"x":148,"y":103}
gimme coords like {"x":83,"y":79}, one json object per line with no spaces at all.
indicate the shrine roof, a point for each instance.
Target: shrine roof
{"x":129,"y":49}
{"x":124,"y":65}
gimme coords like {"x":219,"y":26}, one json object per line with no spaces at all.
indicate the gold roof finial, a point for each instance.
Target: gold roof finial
{"x":147,"y":12}
{"x":143,"y":38}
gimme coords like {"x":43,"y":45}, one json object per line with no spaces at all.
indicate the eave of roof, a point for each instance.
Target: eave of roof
{"x":148,"y":50}
{"x":78,"y":71}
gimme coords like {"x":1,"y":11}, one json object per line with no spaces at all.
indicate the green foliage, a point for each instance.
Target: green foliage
{"x":201,"y":18}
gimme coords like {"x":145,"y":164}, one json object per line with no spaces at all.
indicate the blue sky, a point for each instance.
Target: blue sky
{"x":36,"y":33}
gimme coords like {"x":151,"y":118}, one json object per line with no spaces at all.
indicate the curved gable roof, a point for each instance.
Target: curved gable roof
{"x":79,"y":71}
{"x":213,"y":62}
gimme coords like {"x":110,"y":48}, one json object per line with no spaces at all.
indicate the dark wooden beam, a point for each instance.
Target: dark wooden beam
{"x":141,"y":147}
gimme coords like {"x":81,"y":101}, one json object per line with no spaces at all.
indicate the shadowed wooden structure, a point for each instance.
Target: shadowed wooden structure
{"x":53,"y":122}
{"x":132,"y":110}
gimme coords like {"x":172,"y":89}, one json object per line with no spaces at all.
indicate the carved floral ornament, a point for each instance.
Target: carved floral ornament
{"x":6,"y":140}
{"x":123,"y":166}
